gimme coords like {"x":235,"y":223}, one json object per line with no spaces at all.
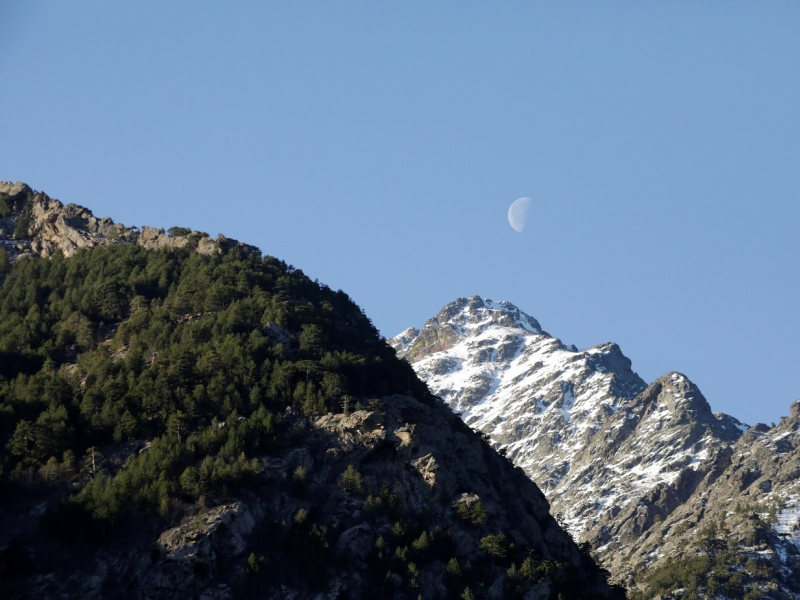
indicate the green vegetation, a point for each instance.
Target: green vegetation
{"x":386,"y":503}
{"x":299,"y":479}
{"x":199,"y":356}
{"x":22,"y":229}
{"x":414,"y":546}
{"x":719,"y":566}
{"x":351,"y":480}
{"x":5,"y":262}
{"x":138,"y":387}
{"x":6,"y":205}
{"x":727,"y":572}
{"x":473,"y":512}
{"x":495,"y":545}
{"x":178,"y":231}
{"x":770,"y":509}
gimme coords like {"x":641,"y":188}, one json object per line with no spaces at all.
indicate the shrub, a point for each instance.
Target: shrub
{"x":178,"y":231}
{"x":473,"y":512}
{"x":299,"y":477}
{"x":495,"y":545}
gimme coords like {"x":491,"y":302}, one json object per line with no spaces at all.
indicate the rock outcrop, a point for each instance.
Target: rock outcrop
{"x":33,"y":223}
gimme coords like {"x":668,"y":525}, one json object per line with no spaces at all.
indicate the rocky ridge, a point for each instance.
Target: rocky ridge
{"x":620,"y":461}
{"x":32,"y":223}
{"x":749,"y":502}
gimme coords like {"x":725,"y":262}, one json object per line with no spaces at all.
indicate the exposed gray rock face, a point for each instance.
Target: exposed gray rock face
{"x":183,"y":562}
{"x":194,"y":549}
{"x":52,"y":226}
{"x":444,"y":460}
{"x":619,"y":461}
{"x":226,"y":527}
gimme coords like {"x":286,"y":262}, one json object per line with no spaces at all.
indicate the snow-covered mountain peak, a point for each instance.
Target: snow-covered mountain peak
{"x":403,"y":340}
{"x":675,"y":392}
{"x":496,"y":366}
{"x":468,"y":319}
{"x":614,"y":455}
{"x":474,"y":314}
{"x":674,"y":397}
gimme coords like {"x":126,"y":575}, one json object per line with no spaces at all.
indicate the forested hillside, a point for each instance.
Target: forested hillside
{"x":120,"y":344}
{"x":212,"y":423}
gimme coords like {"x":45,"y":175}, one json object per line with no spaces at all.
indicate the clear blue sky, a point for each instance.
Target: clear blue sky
{"x":377,"y":146}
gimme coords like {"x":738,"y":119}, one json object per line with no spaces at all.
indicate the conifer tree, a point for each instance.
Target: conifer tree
{"x":5,"y":262}
{"x":91,"y":461}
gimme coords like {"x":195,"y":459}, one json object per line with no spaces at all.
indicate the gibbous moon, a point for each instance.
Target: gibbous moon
{"x":518,"y":213}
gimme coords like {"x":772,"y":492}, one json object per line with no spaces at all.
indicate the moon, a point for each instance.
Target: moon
{"x":518,"y":213}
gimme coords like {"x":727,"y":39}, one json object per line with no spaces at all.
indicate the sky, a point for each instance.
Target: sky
{"x":377,"y":146}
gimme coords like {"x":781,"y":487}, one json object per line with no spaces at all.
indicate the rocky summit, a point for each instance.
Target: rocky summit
{"x":183,"y":417}
{"x":647,"y":475}
{"x":32,"y":223}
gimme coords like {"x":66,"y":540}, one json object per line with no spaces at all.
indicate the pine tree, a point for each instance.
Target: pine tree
{"x":453,"y":568}
{"x":23,"y":226}
{"x":91,"y":461}
{"x":299,"y":479}
{"x":176,"y":424}
{"x":351,"y":480}
{"x":5,"y":262}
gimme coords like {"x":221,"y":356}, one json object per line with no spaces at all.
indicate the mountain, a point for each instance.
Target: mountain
{"x":183,"y":417}
{"x":628,"y":468}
